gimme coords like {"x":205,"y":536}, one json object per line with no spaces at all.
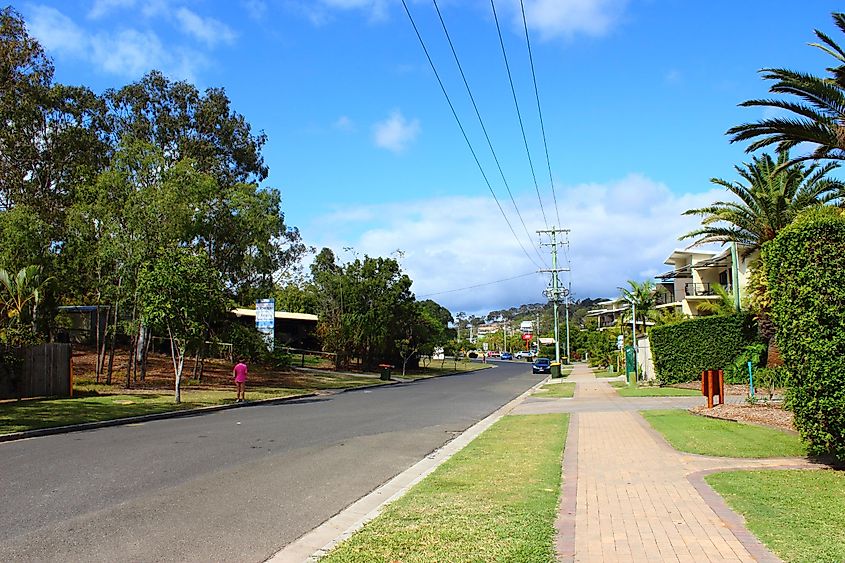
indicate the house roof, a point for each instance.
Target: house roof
{"x":239,"y":312}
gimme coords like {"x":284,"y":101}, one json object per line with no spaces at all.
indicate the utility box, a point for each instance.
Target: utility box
{"x":631,"y":364}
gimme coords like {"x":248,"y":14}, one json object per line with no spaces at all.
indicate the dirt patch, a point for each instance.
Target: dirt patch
{"x":763,"y":414}
{"x":217,"y":374}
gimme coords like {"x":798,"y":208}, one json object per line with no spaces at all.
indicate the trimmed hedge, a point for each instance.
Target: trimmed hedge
{"x":683,"y":350}
{"x":806,"y":270}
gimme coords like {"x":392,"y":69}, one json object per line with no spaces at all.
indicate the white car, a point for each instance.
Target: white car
{"x":523,"y":354}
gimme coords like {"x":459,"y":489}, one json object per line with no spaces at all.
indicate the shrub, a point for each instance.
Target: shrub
{"x":770,"y":379}
{"x":806,"y":267}
{"x":683,"y":350}
{"x":246,"y":342}
{"x":737,"y":372}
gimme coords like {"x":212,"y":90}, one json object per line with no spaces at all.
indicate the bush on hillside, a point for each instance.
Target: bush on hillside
{"x":806,"y":267}
{"x":683,"y":350}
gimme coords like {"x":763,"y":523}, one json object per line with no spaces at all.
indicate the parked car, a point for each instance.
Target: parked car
{"x":523,"y":354}
{"x":507,"y":356}
{"x":542,"y":365}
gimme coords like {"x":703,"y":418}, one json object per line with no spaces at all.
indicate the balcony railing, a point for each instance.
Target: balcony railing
{"x":702,"y":289}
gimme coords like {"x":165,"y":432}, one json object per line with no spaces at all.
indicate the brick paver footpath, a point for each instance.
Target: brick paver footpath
{"x":635,"y":497}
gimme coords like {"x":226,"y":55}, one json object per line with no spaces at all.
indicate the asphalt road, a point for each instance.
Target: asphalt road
{"x":234,"y":485}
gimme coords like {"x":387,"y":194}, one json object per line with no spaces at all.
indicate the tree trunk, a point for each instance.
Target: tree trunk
{"x":130,"y":360}
{"x":146,"y":350}
{"x":177,"y":354}
{"x":114,"y":333}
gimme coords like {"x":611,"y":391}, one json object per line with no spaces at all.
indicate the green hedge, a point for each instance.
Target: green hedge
{"x":806,"y":270}
{"x":683,"y":350}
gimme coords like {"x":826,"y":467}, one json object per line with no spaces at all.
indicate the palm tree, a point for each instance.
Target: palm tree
{"x":20,"y":295}
{"x":818,"y":116}
{"x":723,"y":306}
{"x":643,"y":297}
{"x":770,"y":195}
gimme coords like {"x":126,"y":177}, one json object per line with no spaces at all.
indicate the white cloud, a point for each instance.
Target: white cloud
{"x":55,"y":31}
{"x":619,"y":231}
{"x":567,"y":18}
{"x":255,"y":8}
{"x":103,"y":7}
{"x":395,"y":133}
{"x":208,"y":30}
{"x":126,"y":51}
{"x":345,"y":124}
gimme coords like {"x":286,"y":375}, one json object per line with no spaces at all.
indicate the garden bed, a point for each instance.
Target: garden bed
{"x":764,"y":414}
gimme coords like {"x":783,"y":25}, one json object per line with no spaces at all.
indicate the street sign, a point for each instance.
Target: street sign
{"x":620,"y":342}
{"x":526,"y":337}
{"x":265,"y":320}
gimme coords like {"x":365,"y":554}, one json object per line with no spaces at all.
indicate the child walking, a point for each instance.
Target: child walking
{"x":239,"y":373}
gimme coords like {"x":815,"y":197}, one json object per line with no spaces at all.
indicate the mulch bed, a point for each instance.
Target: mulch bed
{"x":765,"y":413}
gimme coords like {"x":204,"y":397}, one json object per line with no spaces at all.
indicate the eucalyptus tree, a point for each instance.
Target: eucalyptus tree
{"x":814,"y":106}
{"x":769,"y":195}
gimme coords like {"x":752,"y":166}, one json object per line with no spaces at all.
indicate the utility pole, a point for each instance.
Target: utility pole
{"x":555,"y":292}
{"x":568,"y":294}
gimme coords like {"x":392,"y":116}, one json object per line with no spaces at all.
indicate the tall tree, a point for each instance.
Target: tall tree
{"x":816,"y":105}
{"x":181,"y":294}
{"x":770,"y":193}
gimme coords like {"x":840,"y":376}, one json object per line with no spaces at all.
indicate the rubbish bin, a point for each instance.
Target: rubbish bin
{"x":385,"y":371}
{"x":555,"y":369}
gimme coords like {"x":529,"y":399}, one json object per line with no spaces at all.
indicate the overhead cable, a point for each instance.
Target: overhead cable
{"x":539,"y":111}
{"x":484,"y":128}
{"x":518,"y":113}
{"x":466,"y":138}
{"x":477,"y":285}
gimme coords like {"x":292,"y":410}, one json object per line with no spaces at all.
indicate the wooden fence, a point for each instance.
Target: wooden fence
{"x":44,"y":372}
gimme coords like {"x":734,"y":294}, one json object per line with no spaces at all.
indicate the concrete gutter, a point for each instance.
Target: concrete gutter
{"x":319,"y":541}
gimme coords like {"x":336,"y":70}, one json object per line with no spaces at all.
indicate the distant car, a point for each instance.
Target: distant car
{"x":542,"y":365}
{"x":523,"y":354}
{"x":507,"y":356}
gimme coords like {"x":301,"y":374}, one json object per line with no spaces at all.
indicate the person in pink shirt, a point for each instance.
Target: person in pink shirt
{"x":239,"y":373}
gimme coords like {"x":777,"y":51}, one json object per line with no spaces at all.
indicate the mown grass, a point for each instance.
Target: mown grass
{"x":556,"y":391}
{"x":17,"y":416}
{"x":96,"y":402}
{"x":626,"y":390}
{"x":496,"y":500}
{"x":800,"y":515}
{"x":435,"y":369}
{"x":707,"y":436}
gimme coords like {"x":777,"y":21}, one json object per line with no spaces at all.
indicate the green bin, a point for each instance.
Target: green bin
{"x":385,"y":372}
{"x":555,"y":369}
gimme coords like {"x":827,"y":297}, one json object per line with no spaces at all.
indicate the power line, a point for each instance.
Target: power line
{"x":518,"y":113}
{"x":477,"y":285}
{"x":484,"y":129}
{"x":463,"y":132}
{"x":539,"y":111}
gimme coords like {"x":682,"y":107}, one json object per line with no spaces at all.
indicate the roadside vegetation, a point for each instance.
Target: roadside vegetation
{"x":626,"y":390}
{"x":556,"y":391}
{"x":798,"y":514}
{"x":707,"y":436}
{"x":495,"y":500}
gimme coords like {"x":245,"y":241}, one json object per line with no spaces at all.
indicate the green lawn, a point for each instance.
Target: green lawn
{"x":800,"y":515}
{"x":556,"y":390}
{"x":435,"y":369}
{"x":16,"y":416}
{"x":626,"y":390}
{"x":496,"y":500}
{"x":707,"y":436}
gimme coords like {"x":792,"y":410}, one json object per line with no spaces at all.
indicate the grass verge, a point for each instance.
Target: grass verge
{"x":17,"y":416}
{"x":626,"y":390}
{"x":495,"y":500}
{"x":701,"y":435}
{"x":556,"y":391}
{"x":435,"y":369}
{"x":800,"y":515}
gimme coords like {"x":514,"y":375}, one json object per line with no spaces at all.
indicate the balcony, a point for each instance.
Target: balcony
{"x":702,"y":289}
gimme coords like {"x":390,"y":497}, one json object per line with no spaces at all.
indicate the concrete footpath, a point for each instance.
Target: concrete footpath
{"x":629,"y":496}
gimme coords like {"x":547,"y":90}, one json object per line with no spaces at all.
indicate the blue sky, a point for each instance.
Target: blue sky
{"x":636,"y":96}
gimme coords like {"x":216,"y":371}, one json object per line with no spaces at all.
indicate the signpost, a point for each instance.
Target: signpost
{"x":265,"y":320}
